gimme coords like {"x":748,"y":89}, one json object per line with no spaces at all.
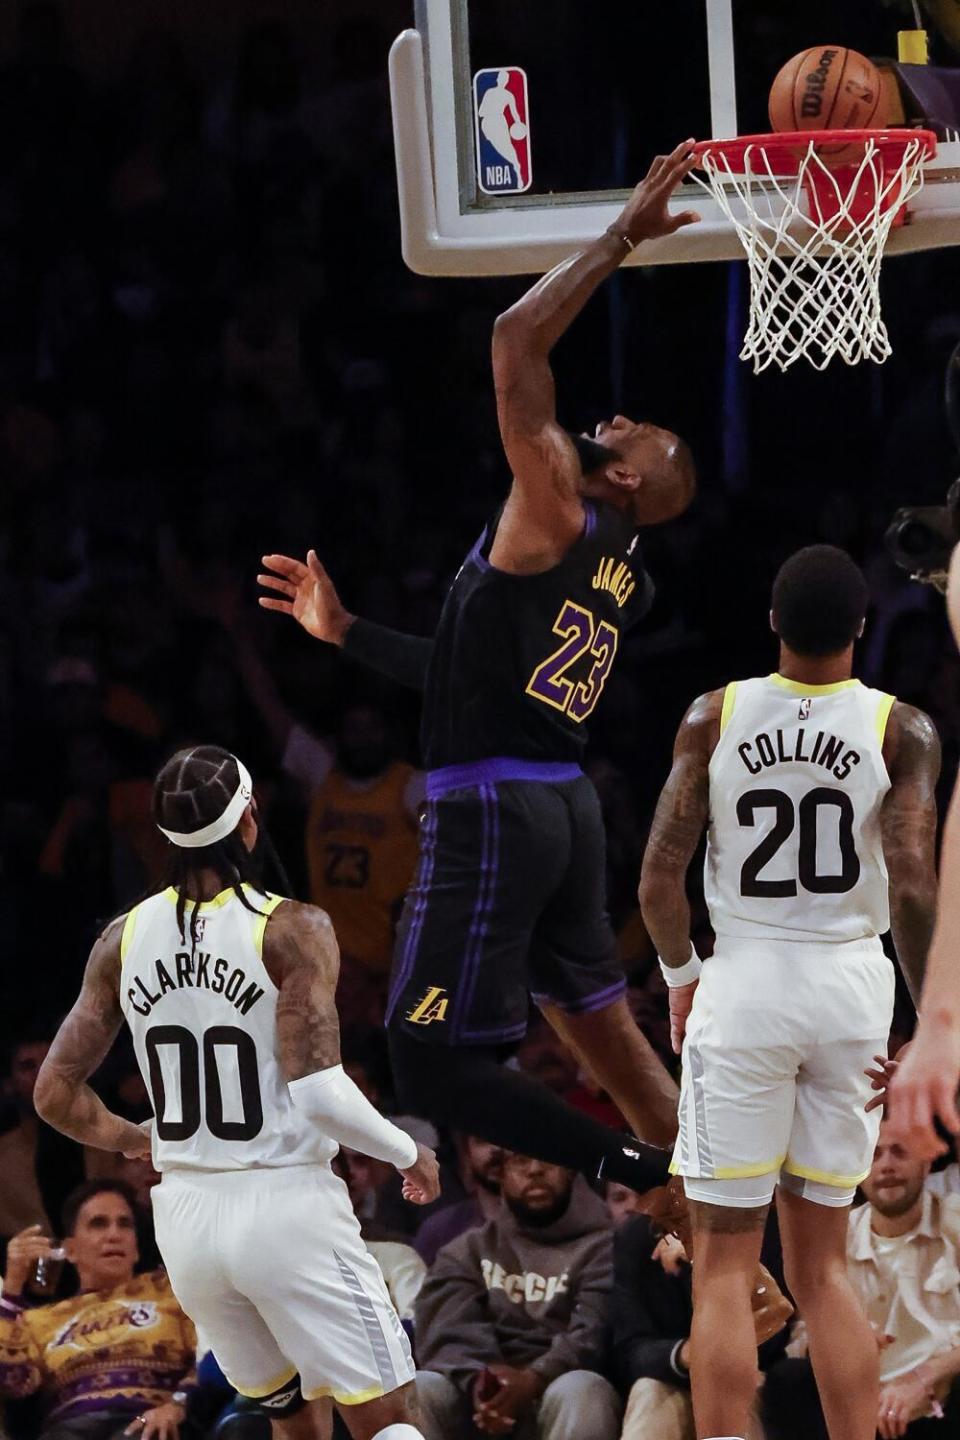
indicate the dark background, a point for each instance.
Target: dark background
{"x":210,"y":348}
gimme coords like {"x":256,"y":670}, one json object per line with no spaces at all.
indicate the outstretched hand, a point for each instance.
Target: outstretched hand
{"x":923,"y":1090}
{"x":308,"y":594}
{"x":645,"y":215}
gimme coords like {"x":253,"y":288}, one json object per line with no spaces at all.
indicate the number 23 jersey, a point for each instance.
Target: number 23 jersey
{"x":204,"y":1028}
{"x":520,"y":661}
{"x":797,"y":781}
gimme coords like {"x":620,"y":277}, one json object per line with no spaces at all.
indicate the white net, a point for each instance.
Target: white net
{"x":814,"y":242}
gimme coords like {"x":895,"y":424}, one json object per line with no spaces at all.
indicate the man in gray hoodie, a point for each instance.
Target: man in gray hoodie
{"x":511,"y":1322}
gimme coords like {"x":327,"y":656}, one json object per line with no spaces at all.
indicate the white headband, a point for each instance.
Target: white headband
{"x":225,"y":824}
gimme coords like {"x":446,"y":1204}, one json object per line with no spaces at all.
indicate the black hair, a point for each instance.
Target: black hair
{"x":819,"y":601}
{"x":78,"y":1197}
{"x":192,"y":790}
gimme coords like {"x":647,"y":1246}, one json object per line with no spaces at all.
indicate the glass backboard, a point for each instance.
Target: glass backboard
{"x":604,"y":85}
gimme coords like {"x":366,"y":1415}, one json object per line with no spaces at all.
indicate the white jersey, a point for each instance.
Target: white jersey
{"x":204,"y":1028}
{"x":797,"y":781}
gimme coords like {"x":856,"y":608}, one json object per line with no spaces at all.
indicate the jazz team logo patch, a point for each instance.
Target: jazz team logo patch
{"x":502,"y":121}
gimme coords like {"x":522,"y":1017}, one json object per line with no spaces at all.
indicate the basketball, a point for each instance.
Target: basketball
{"x":828,"y":87}
{"x":518,"y":131}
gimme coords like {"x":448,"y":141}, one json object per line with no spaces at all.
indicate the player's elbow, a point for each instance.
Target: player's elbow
{"x":661,"y":889}
{"x":514,"y":337}
{"x":50,"y":1097}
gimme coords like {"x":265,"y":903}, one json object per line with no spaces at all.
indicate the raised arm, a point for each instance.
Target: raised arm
{"x":301,"y":955}
{"x":543,"y":460}
{"x":62,"y":1097}
{"x":924,"y":1088}
{"x":306,"y":592}
{"x":908,"y":822}
{"x":678,"y":824}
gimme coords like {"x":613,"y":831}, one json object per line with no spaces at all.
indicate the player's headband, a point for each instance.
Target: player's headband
{"x":225,"y":824}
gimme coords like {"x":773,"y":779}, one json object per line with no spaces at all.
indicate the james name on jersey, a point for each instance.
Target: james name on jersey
{"x":196,"y":972}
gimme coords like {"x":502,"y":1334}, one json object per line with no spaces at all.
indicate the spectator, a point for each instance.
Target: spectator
{"x":480,"y":1171}
{"x":21,"y":1203}
{"x":37,"y":1166}
{"x":903,"y":1253}
{"x":361,"y":826}
{"x":651,"y":1312}
{"x":119,"y":1350}
{"x":622,"y":1202}
{"x":511,"y":1321}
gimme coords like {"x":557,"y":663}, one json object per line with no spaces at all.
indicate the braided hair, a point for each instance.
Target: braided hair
{"x":192,"y":790}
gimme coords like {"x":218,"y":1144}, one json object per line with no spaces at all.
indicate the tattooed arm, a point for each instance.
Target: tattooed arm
{"x":678,"y":824}
{"x":62,"y":1096}
{"x":908,"y":822}
{"x":303,"y":961}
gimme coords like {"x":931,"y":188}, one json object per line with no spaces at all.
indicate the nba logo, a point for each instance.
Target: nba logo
{"x":805,"y":707}
{"x":501,"y":119}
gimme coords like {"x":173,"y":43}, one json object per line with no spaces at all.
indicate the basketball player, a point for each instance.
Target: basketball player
{"x":228,"y":992}
{"x":815,"y":790}
{"x":509,"y":897}
{"x":924,"y":1087}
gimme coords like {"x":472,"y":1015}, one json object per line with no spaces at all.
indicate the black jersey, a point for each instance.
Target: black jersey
{"x":520,"y":661}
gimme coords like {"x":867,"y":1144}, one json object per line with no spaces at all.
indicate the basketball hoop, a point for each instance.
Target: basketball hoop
{"x":814,"y":232}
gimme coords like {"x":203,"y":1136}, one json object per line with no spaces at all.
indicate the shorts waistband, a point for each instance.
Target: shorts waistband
{"x":278,"y":1177}
{"x":733,"y":945}
{"x":497,"y":769}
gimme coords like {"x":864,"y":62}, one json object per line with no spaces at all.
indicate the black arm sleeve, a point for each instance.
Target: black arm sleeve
{"x":403,"y":658}
{"x":650,"y":1311}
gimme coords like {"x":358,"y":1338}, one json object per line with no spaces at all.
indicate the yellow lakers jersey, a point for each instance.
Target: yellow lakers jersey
{"x":361,"y":851}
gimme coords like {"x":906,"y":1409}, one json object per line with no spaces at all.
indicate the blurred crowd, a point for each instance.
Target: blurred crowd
{"x":210,"y":349}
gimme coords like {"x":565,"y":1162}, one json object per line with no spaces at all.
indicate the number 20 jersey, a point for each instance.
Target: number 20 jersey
{"x":204,"y":1028}
{"x":797,"y":781}
{"x":520,"y":661}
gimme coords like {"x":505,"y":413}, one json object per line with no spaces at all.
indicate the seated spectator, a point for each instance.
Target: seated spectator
{"x":651,"y":1312}
{"x":903,"y":1256}
{"x":512,"y":1317}
{"x":120,"y":1353}
{"x":622,"y":1202}
{"x":37,"y":1166}
{"x":479,"y":1169}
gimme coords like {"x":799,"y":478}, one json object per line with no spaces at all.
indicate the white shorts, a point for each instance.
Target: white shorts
{"x":773,"y":1089}
{"x":270,"y":1266}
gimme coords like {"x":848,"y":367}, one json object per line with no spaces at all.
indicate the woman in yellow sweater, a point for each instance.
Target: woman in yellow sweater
{"x":118,"y":1358}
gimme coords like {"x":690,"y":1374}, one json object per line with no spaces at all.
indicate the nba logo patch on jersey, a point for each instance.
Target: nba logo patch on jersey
{"x":501,"y":120}
{"x":805,"y":704}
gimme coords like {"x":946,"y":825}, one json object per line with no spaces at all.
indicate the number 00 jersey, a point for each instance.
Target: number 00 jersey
{"x":204,"y":1028}
{"x":520,"y":661}
{"x":796,"y":784}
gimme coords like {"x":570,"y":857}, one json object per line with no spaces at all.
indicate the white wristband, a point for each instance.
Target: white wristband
{"x":341,"y":1109}
{"x":677,"y":975}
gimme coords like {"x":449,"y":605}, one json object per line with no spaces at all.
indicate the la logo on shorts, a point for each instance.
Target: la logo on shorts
{"x":432,"y":1007}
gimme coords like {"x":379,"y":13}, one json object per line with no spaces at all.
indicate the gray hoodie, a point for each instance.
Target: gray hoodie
{"x":519,"y":1295}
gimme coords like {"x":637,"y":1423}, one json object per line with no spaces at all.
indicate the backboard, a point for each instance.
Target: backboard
{"x":519,"y":128}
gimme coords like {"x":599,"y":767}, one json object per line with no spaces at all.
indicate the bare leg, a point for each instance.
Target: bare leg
{"x":610,"y":1044}
{"x":723,"y":1345}
{"x":313,"y":1422}
{"x":843,"y":1349}
{"x":397,"y":1408}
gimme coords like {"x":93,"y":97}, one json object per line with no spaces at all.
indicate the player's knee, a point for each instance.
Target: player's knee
{"x":811,"y":1277}
{"x":280,"y":1404}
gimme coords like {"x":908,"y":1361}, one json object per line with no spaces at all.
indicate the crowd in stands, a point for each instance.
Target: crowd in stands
{"x":210,"y":348}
